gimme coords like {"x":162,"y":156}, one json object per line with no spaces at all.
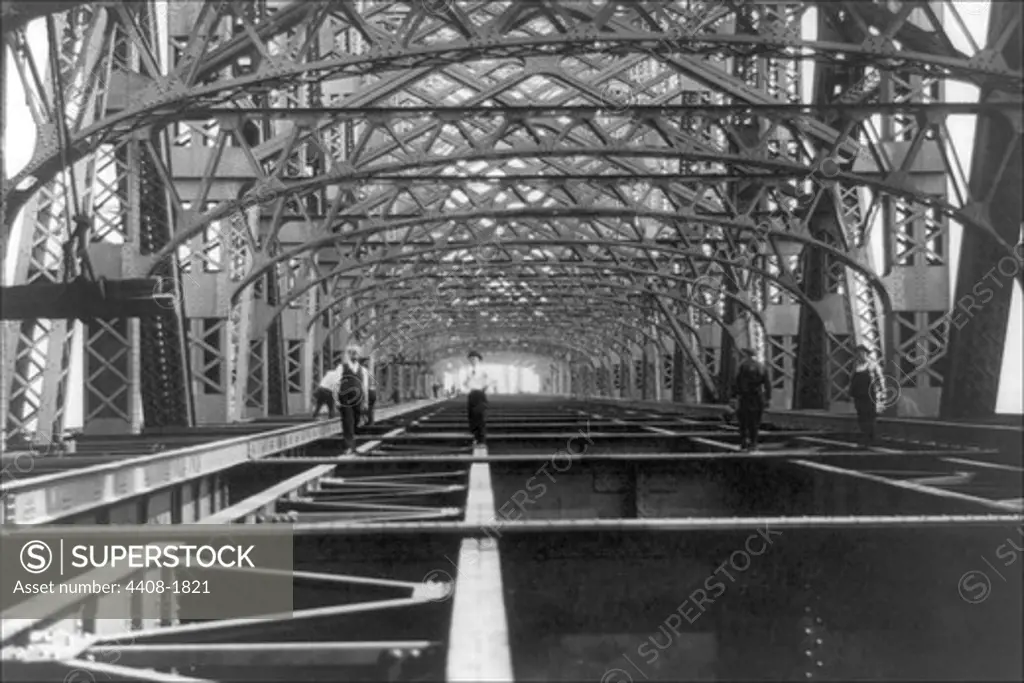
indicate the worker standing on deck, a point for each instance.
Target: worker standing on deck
{"x":753,"y":389}
{"x":863,"y":382}
{"x":324,"y":393}
{"x":475,"y":385}
{"x":371,"y":391}
{"x":352,"y":395}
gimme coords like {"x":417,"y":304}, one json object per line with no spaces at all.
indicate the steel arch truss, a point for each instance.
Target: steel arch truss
{"x":330,"y":149}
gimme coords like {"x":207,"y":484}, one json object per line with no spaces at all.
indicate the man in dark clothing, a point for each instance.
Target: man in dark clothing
{"x":753,"y":389}
{"x":351,"y":396}
{"x":863,"y":382}
{"x":323,"y":395}
{"x":475,"y":385}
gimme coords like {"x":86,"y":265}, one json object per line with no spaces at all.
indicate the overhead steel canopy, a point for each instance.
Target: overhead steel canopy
{"x":584,"y":175}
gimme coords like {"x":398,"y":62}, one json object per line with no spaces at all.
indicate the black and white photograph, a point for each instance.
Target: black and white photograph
{"x":583,"y":341}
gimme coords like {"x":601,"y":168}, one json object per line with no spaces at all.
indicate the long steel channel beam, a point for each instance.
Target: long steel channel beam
{"x":636,"y":110}
{"x":478,"y":643}
{"x":789,"y":454}
{"x":48,"y":498}
{"x":664,"y":524}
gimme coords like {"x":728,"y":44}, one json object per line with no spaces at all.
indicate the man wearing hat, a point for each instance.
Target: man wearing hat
{"x":863,"y":382}
{"x":476,"y":385}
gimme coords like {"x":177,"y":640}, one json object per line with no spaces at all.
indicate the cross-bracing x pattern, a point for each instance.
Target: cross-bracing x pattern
{"x":471,"y":107}
{"x":579,"y":287}
{"x":396,"y":153}
{"x":410,"y":36}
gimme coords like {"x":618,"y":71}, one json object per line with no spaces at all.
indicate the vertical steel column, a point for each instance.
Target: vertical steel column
{"x":626,"y":380}
{"x":984,"y":290}
{"x":240,"y":318}
{"x":36,"y":353}
{"x":916,"y":254}
{"x":813,"y":363}
{"x":679,"y":378}
{"x":642,"y":375}
{"x":310,"y":355}
{"x":166,"y":389}
{"x":274,"y":348}
{"x":294,"y":326}
{"x":652,"y":376}
{"x":222,"y":356}
{"x":850,"y":310}
{"x":112,"y":402}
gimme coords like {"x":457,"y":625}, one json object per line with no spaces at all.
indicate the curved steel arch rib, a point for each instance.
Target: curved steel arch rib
{"x":344,"y":314}
{"x":629,"y":28}
{"x":514,"y":322}
{"x":696,"y":358}
{"x":265,"y":264}
{"x":873,"y":281}
{"x":616,"y":314}
{"x":543,"y":351}
{"x":547,"y":350}
{"x":547,"y":289}
{"x":594,"y":346}
{"x":587,"y":345}
{"x":968,"y":219}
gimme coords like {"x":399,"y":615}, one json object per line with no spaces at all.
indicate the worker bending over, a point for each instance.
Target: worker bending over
{"x":324,"y":393}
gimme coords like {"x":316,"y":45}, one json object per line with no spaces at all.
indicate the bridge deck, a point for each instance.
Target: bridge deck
{"x":425,"y":557}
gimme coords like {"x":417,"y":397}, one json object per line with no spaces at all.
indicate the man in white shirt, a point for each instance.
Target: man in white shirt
{"x":476,"y":385}
{"x":324,"y":393}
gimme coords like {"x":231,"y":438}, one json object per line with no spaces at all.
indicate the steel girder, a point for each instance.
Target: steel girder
{"x":15,"y":15}
{"x":676,"y":150}
{"x":401,"y":317}
{"x":556,"y":127}
{"x":568,"y":246}
{"x":515,"y":323}
{"x":411,"y":37}
{"x":134,"y":369}
{"x":712,"y":296}
{"x":977,"y":336}
{"x":580,"y":347}
{"x":580,"y":288}
{"x":449,"y":350}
